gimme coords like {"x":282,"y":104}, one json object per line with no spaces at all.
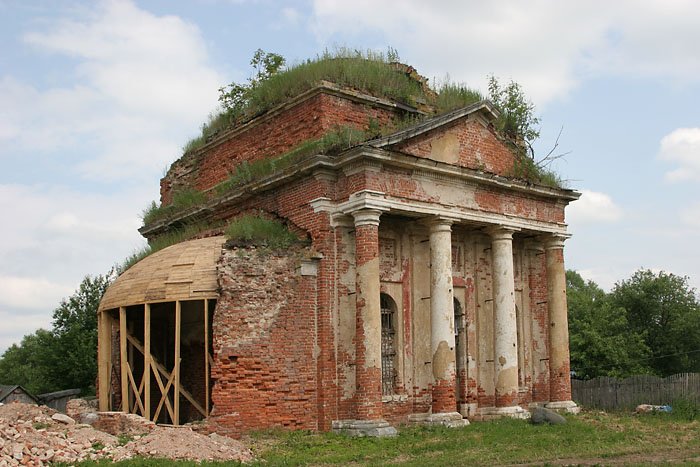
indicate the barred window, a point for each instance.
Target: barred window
{"x":459,"y":321}
{"x":388,"y":307}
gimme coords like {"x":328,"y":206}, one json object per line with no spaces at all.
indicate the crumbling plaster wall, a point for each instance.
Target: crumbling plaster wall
{"x":265,"y":342}
{"x":405,"y":276}
{"x":469,"y":142}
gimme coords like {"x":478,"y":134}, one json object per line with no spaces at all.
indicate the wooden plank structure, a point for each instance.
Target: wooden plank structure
{"x":607,"y":393}
{"x":158,"y":291}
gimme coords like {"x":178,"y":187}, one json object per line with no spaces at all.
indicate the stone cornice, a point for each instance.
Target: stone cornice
{"x":367,"y":158}
{"x":369,"y":199}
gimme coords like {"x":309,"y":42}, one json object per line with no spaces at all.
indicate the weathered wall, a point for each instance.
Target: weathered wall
{"x":285,"y":344}
{"x":407,"y":184}
{"x":405,"y":274}
{"x":281,"y":131}
{"x":468,"y":142}
{"x":265,"y":343}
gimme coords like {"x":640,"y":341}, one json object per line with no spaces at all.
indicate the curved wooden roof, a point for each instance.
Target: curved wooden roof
{"x":184,"y":271}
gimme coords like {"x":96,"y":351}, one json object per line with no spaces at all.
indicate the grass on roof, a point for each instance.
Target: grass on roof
{"x":370,"y":72}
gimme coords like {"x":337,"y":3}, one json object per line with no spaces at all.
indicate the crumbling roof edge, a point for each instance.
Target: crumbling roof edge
{"x":326,"y":87}
{"x":483,"y":106}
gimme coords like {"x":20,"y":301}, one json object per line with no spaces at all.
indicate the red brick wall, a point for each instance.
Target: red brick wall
{"x":264,"y":331}
{"x":269,"y":137}
{"x":479,"y":147}
{"x":538,"y":304}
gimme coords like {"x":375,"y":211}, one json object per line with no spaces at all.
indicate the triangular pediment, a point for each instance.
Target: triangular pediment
{"x":464,"y":137}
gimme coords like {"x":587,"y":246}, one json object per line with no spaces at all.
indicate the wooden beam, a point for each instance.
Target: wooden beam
{"x":147,"y":360}
{"x":176,"y":396}
{"x":137,"y":397}
{"x":104,"y":352}
{"x":123,"y":360}
{"x":164,"y":394}
{"x":206,"y":357}
{"x":159,"y":368}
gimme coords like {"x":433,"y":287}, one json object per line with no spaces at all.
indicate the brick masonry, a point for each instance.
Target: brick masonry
{"x":287,"y":346}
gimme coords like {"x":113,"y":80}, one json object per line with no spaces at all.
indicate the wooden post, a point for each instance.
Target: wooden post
{"x":178,"y":325}
{"x":104,"y":350}
{"x":123,"y":360}
{"x":147,"y":360}
{"x":206,"y":356}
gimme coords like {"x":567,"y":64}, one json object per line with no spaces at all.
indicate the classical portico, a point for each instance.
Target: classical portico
{"x":368,"y":211}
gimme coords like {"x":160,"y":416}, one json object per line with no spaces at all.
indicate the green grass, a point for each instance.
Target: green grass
{"x":254,"y":230}
{"x":588,"y":438}
{"x":182,"y":200}
{"x":525,"y":168}
{"x":339,"y":138}
{"x":453,"y":96}
{"x":370,"y":72}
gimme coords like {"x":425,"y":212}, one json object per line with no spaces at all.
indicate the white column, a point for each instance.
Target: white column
{"x":559,"y":365}
{"x":505,"y":323}
{"x":442,"y":337}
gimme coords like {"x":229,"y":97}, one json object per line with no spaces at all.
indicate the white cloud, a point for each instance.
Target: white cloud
{"x":593,"y":207}
{"x":682,"y":146}
{"x":31,"y":293}
{"x":60,"y":235}
{"x":691,"y":215}
{"x":291,"y":15}
{"x":546,"y":45}
{"x":141,"y":83}
{"x":55,"y":237}
{"x":18,"y":324}
{"x":604,"y":278}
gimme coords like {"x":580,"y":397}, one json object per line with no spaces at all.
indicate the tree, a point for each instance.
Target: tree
{"x":75,"y":330}
{"x":601,"y":343}
{"x":519,"y":126}
{"x":66,"y":356}
{"x":517,"y":121}
{"x":30,"y":364}
{"x":664,"y":308}
{"x":235,"y":97}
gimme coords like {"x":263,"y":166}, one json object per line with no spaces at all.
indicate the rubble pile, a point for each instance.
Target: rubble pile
{"x":36,"y":436}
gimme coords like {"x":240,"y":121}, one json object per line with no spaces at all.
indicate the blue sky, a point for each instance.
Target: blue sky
{"x":97,"y":98}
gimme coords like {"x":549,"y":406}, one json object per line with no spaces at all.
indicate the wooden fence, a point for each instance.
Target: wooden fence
{"x":607,"y":393}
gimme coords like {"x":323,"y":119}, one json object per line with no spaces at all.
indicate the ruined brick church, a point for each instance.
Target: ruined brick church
{"x":428,"y":284}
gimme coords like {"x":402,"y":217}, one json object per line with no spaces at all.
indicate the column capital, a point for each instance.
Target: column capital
{"x":366,"y":217}
{"x":554,"y":241}
{"x":438,"y":223}
{"x":534,"y":244}
{"x":501,"y":232}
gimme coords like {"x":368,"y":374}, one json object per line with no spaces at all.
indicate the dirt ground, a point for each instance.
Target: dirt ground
{"x":36,"y":436}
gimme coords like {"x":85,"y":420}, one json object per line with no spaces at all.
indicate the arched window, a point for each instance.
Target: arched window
{"x":388,"y":307}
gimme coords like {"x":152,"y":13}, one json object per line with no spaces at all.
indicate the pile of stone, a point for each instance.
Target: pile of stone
{"x":36,"y":436}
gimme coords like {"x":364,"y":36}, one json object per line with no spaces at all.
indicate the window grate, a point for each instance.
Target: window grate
{"x":388,"y":345}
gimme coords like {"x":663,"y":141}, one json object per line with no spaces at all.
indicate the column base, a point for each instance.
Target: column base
{"x":564,"y":406}
{"x":468,"y":410}
{"x":490,"y":413}
{"x":361,"y":428}
{"x":448,"y":419}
